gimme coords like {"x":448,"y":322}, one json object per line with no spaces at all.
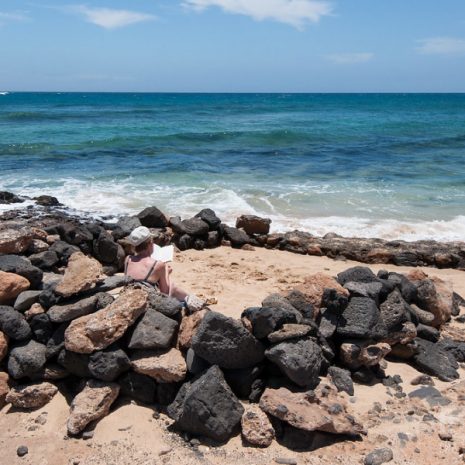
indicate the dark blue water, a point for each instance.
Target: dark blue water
{"x":390,"y":165}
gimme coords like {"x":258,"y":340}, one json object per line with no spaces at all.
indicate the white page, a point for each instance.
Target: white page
{"x":163,"y":254}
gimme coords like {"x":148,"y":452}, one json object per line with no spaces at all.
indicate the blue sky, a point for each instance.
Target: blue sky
{"x":233,"y":45}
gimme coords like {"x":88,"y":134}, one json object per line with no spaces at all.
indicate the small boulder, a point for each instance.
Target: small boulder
{"x":289,"y":331}
{"x":4,"y":388}
{"x":13,"y":324}
{"x":23,"y":267}
{"x":359,"y":274}
{"x":9,"y":197}
{"x":76,"y":364}
{"x":3,"y":345}
{"x":394,"y":310}
{"x":207,"y":407}
{"x":41,"y":327}
{"x":225,"y":342}
{"x":195,"y":227}
{"x":44,"y":260}
{"x":26,"y":360}
{"x":91,"y":404}
{"x":72,"y":310}
{"x":252,"y":224}
{"x":14,"y":241}
{"x":168,"y":306}
{"x":100,"y":329}
{"x":320,"y":410}
{"x":152,"y":217}
{"x":81,"y":274}
{"x":31,"y":396}
{"x":257,"y":429}
{"x":105,"y":248}
{"x":237,"y":237}
{"x":163,"y":367}
{"x":107,"y":365}
{"x":153,"y":331}
{"x":47,"y":201}
{"x":139,"y":387}
{"x":188,"y":328}
{"x":379,"y":456}
{"x":266,"y":320}
{"x":314,"y":287}
{"x":209,"y":216}
{"x":341,"y":379}
{"x":24,"y":300}
{"x":11,"y":285}
{"x":300,"y":360}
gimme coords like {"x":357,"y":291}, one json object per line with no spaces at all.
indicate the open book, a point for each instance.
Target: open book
{"x":163,"y":254}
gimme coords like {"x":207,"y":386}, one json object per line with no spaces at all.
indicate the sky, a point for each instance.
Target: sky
{"x":233,"y":45}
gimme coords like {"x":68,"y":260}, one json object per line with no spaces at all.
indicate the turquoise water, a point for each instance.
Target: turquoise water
{"x":387,"y":165}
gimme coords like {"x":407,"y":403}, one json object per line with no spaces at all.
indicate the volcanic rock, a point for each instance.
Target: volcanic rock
{"x":24,"y":300}
{"x":152,"y":217}
{"x":266,"y":320}
{"x":225,"y":342}
{"x":105,"y":248}
{"x":394,"y":310}
{"x":252,"y":224}
{"x":209,"y":216}
{"x":23,"y":267}
{"x":26,"y":360}
{"x":300,"y":360}
{"x":207,"y":407}
{"x":13,"y":324}
{"x":4,"y":388}
{"x":237,"y":237}
{"x":9,"y":197}
{"x":153,"y":331}
{"x":379,"y":456}
{"x":359,"y":274}
{"x":31,"y":396}
{"x":341,"y":379}
{"x":107,"y":365}
{"x":44,"y":260}
{"x":169,"y":306}
{"x":73,"y":310}
{"x":76,"y":364}
{"x":91,"y":404}
{"x":3,"y":345}
{"x":138,"y":387}
{"x":289,"y":331}
{"x":47,"y":201}
{"x":42,"y":328}
{"x":63,"y":251}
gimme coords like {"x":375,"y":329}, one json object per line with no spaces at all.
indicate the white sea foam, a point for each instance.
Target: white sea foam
{"x":325,"y":209}
{"x":4,"y":93}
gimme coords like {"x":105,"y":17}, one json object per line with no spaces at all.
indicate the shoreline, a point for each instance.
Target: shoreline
{"x":172,"y":230}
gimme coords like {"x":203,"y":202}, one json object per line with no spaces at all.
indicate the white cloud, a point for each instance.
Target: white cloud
{"x":109,"y":18}
{"x":350,"y":58}
{"x":294,"y":12}
{"x":441,"y":46}
{"x":15,"y":16}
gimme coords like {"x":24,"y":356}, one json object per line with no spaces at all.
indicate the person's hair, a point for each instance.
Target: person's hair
{"x":143,"y":246}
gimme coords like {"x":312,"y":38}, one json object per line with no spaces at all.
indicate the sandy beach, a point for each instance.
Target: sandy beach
{"x":238,"y":279}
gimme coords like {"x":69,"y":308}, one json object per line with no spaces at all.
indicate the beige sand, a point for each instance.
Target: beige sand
{"x":238,"y":279}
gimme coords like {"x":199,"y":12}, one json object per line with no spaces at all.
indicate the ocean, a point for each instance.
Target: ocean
{"x":366,"y":165}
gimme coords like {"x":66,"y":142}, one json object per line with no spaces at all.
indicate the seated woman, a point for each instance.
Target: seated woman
{"x":142,"y":267}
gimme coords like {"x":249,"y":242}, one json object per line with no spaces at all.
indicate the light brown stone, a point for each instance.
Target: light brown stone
{"x":313,"y":287}
{"x":379,"y":255}
{"x":38,"y":246}
{"x":373,"y":354}
{"x":188,"y":327}
{"x":52,"y":238}
{"x":289,"y":331}
{"x":13,"y":241}
{"x":100,"y":329}
{"x":168,"y":367}
{"x":11,"y":285}
{"x":3,"y":345}
{"x":4,"y":388}
{"x":36,"y":309}
{"x":92,"y":403}
{"x":31,"y":396}
{"x":81,"y":274}
{"x":256,"y":426}
{"x":39,"y":234}
{"x":320,"y":410}
{"x":406,"y":334}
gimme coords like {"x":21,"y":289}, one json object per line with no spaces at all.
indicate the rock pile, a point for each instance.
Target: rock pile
{"x":292,"y":358}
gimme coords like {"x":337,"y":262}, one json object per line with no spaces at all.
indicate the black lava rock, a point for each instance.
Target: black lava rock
{"x":26,"y":360}
{"x":209,"y":216}
{"x":152,"y":217}
{"x":13,"y":324}
{"x":107,"y":365}
{"x":23,"y":267}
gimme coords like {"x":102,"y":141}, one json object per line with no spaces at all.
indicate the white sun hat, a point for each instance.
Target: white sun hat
{"x":139,"y":235}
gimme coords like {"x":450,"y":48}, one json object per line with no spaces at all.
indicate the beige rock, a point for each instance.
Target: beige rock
{"x":14,"y":241}
{"x":313,"y":287}
{"x":439,"y":301}
{"x":100,"y":329}
{"x":379,"y":255}
{"x":188,"y":328}
{"x":321,"y":410}
{"x":38,"y":246}
{"x":4,"y":388}
{"x":168,"y":367}
{"x":36,"y":309}
{"x":256,"y":426}
{"x":406,"y":334}
{"x":373,"y":354}
{"x":81,"y":274}
{"x":3,"y":345}
{"x":52,"y":238}
{"x":11,"y":285}
{"x":92,"y":403}
{"x":289,"y":331}
{"x":39,"y":234}
{"x":31,"y":396}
